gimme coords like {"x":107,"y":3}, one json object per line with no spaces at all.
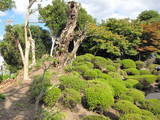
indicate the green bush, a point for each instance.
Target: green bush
{"x":149,"y":114}
{"x":83,"y":58}
{"x":135,"y":117}
{"x":73,"y":81}
{"x":144,"y":72}
{"x":110,"y":68}
{"x":131,"y":83}
{"x":132,"y":71}
{"x":71,"y":98}
{"x":95,"y":117}
{"x":133,"y":95}
{"x":88,"y":64}
{"x":123,"y":73}
{"x":51,"y":96}
{"x":92,"y":74}
{"x":49,"y":116}
{"x":4,"y":77}
{"x":126,"y":107}
{"x":36,"y":86}
{"x":100,"y":96}
{"x":101,"y":62}
{"x":140,"y":64}
{"x":152,"y":105}
{"x":81,"y":69}
{"x":115,"y":75}
{"x":144,"y":79}
{"x":2,"y":97}
{"x":128,"y":63}
{"x":118,"y":87}
{"x":152,"y":67}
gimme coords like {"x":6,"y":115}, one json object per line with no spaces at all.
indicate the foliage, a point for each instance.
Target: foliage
{"x":133,"y":95}
{"x":140,"y":64}
{"x":131,"y":30}
{"x":150,"y":38}
{"x":110,"y":68}
{"x":148,"y":15}
{"x":126,"y":107}
{"x":51,"y":96}
{"x":2,"y":97}
{"x":6,"y":4}
{"x":152,"y":105}
{"x":92,"y":74}
{"x":132,"y":71}
{"x":74,"y":82}
{"x":136,"y":117}
{"x":144,"y":72}
{"x":95,"y":117}
{"x":99,"y":98}
{"x":131,"y":83}
{"x":115,"y":75}
{"x":49,"y":116}
{"x":37,"y":85}
{"x":128,"y":63}
{"x":9,"y":48}
{"x":71,"y":98}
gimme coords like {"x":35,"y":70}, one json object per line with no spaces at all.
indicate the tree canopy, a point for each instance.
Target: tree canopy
{"x":6,"y":4}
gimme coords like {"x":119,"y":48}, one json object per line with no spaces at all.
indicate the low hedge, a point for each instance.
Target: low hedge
{"x":128,"y":63}
{"x":132,"y":71}
{"x":95,"y":117}
{"x":131,"y":83}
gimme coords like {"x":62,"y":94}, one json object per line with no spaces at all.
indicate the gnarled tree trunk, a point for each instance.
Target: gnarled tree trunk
{"x":67,"y":34}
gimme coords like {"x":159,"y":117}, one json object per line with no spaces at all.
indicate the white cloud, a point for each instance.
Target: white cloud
{"x":1,"y":38}
{"x":2,"y":13}
{"x":102,"y":9}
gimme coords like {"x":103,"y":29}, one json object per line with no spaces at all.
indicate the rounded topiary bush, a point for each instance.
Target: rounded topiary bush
{"x":84,"y":58}
{"x":81,"y":69}
{"x":92,"y":74}
{"x":149,"y":114}
{"x":140,"y":64}
{"x":136,"y":117}
{"x":133,"y":95}
{"x":115,"y":75}
{"x":128,"y":63}
{"x":95,"y":117}
{"x":52,"y":96}
{"x":132,"y":71}
{"x":152,"y":105}
{"x":73,"y":81}
{"x":71,"y":98}
{"x":110,"y":68}
{"x":99,"y":96}
{"x":131,"y":83}
{"x":126,"y":107}
{"x":144,"y":72}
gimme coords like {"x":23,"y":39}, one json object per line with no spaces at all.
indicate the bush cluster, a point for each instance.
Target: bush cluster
{"x":128,"y":63}
{"x":131,"y":83}
{"x":132,"y":71}
{"x":95,"y":117}
{"x":140,"y":64}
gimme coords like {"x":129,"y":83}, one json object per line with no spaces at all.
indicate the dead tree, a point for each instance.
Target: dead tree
{"x":67,"y":34}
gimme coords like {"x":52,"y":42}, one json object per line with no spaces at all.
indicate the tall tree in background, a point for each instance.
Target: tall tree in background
{"x":6,"y":4}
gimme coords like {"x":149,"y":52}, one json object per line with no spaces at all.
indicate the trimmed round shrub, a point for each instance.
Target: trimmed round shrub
{"x":128,"y":63}
{"x":71,"y":98}
{"x":99,"y":96}
{"x":123,"y":73}
{"x":131,"y":83}
{"x":136,"y":117}
{"x":132,"y":71}
{"x":86,"y":57}
{"x":95,"y":117}
{"x":126,"y":107}
{"x":133,"y":95}
{"x":149,"y":114}
{"x":140,"y":64}
{"x":52,"y":96}
{"x":73,"y":81}
{"x":92,"y":74}
{"x":115,"y":75}
{"x":88,"y":64}
{"x":144,"y":72}
{"x":81,"y":69}
{"x":101,"y":62}
{"x":110,"y":68}
{"x":152,"y":105}
{"x":118,"y":87}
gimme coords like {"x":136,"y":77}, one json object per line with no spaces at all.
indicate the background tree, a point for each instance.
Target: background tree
{"x":149,"y":16}
{"x":9,"y":45}
{"x":6,"y":4}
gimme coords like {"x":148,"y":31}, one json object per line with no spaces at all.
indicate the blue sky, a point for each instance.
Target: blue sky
{"x":100,"y":9}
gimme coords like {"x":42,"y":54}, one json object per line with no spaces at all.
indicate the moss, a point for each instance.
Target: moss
{"x":126,"y":107}
{"x":133,"y":95}
{"x":132,"y":71}
{"x":140,"y":64}
{"x":131,"y":83}
{"x":95,"y":117}
{"x":128,"y":63}
{"x":52,"y":96}
{"x":152,"y":105}
{"x":144,"y":72}
{"x":99,"y":95}
{"x":73,"y":81}
{"x":71,"y":98}
{"x":135,"y":117}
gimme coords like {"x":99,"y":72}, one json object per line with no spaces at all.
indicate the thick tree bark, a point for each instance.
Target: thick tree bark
{"x":67,"y":34}
{"x":53,"y":44}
